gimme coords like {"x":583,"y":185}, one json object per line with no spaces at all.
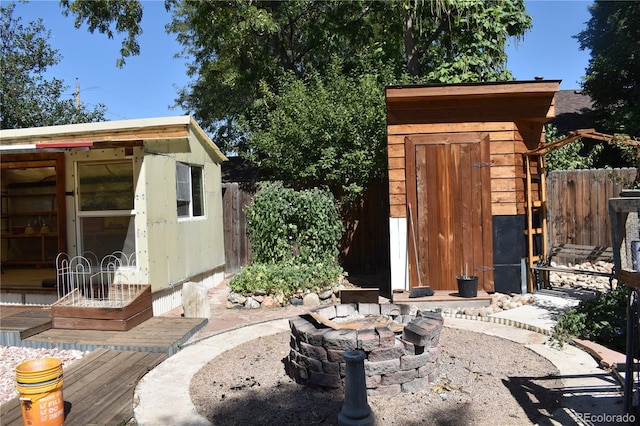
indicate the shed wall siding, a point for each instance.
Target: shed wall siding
{"x":507,"y":174}
{"x":182,"y":249}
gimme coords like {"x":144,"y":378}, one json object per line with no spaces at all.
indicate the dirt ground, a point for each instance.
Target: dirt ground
{"x":483,"y":380}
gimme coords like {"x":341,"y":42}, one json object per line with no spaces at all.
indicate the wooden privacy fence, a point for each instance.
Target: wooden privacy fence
{"x":364,"y":248}
{"x":578,"y":204}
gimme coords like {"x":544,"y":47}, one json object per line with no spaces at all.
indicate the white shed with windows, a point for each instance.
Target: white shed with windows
{"x":147,"y":189}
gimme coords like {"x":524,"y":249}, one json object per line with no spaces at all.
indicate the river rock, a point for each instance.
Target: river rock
{"x":326,"y":294}
{"x":295,"y":301}
{"x":236,"y":298}
{"x":311,"y":299}
{"x":251,"y":303}
{"x":269,"y":302}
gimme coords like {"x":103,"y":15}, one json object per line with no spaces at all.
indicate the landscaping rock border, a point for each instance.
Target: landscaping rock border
{"x":499,"y":301}
{"x":311,"y":298}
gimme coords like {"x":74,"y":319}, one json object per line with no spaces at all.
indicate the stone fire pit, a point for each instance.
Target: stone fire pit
{"x":403,"y":350}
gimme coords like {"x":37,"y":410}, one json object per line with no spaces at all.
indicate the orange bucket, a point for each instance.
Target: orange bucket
{"x":39,"y":383}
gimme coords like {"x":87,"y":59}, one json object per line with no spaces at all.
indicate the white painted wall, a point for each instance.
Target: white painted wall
{"x":398,"y":253}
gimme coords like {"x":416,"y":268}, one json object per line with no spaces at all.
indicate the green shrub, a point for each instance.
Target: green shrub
{"x":294,"y":240}
{"x":285,"y":225}
{"x":601,"y":320}
{"x":288,"y":278}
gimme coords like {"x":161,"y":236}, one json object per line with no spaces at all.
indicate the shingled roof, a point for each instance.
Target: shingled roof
{"x":236,"y":169}
{"x":574,"y":110}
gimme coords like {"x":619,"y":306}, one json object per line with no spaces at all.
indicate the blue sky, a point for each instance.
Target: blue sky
{"x":147,"y":85}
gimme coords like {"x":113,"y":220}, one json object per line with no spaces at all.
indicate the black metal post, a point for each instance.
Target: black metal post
{"x":356,"y":410}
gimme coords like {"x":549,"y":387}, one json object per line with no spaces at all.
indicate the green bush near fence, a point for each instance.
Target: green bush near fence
{"x":294,"y":241}
{"x":601,"y":320}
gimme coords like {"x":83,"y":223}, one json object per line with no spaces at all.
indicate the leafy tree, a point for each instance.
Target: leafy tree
{"x":294,"y":239}
{"x":328,"y":130}
{"x":573,"y":156}
{"x":298,"y":86}
{"x":613,"y":74}
{"x":100,"y":14}
{"x":27,"y":99}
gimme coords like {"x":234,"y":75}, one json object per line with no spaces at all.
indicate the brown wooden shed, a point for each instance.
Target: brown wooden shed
{"x":458,"y":182}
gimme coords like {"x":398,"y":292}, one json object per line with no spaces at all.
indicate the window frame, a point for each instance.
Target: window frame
{"x":109,"y":213}
{"x":190,"y":195}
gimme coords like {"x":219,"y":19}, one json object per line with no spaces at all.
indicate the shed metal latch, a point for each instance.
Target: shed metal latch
{"x":480,"y":164}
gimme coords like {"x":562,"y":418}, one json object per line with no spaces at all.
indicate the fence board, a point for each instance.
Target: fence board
{"x":235,"y":198}
{"x":577,"y":204}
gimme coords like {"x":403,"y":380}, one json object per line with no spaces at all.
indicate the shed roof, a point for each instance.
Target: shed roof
{"x":106,"y":134}
{"x":487,"y":101}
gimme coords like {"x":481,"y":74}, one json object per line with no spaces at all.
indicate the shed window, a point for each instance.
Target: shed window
{"x":189,"y":190}
{"x":105,"y":207}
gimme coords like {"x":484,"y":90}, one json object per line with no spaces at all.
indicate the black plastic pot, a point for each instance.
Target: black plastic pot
{"x":467,"y":286}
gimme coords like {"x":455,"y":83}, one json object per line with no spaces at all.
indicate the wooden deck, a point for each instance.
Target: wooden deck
{"x":443,"y":299}
{"x":31,"y":327}
{"x":98,"y":389}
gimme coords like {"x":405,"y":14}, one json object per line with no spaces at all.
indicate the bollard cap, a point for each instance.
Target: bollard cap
{"x":355,"y":355}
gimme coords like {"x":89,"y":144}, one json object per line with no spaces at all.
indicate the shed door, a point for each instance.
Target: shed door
{"x":449,"y":191}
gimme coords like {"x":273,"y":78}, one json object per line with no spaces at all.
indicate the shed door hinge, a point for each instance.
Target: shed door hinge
{"x":480,"y":164}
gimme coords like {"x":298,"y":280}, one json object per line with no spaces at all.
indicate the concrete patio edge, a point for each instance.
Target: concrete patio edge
{"x":162,"y":395}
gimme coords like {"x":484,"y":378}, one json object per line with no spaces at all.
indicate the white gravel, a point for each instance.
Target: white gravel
{"x":11,"y":356}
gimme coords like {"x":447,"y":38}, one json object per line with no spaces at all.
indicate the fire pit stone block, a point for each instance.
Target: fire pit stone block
{"x":329,"y":312}
{"x":312,"y":351}
{"x":385,"y":354}
{"x":325,"y":380}
{"x":344,"y":340}
{"x":296,"y":371}
{"x":330,"y":367}
{"x":369,"y":308}
{"x":413,"y":362}
{"x":381,"y":367}
{"x":300,"y":326}
{"x":311,"y":364}
{"x":346,"y":310}
{"x":399,"y":377}
{"x":427,"y":369}
{"x":368,"y":339}
{"x":391,"y":309}
{"x":335,"y":355}
{"x":387,"y":337}
{"x":421,"y":330}
{"x":373,"y":381}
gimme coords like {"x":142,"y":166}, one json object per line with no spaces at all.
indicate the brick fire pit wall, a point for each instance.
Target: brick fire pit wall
{"x":405,"y":361}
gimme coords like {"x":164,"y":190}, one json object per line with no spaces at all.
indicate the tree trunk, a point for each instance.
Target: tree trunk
{"x":410,"y":48}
